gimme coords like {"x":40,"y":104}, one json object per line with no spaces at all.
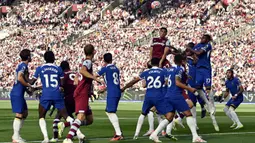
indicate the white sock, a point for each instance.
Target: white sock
{"x":227,"y":112}
{"x":22,"y":122}
{"x":151,"y":121}
{"x":70,"y":119}
{"x":115,"y":122}
{"x":194,"y":114}
{"x":234,"y":116}
{"x":16,"y":128}
{"x":169,"y":128}
{"x":139,"y":124}
{"x":43,"y":127}
{"x":160,"y":119}
{"x":192,"y":127}
{"x":203,"y":96}
{"x":211,"y":98}
{"x":213,"y":119}
{"x":161,"y":126}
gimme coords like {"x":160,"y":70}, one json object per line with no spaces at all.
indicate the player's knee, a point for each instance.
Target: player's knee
{"x":232,"y":108}
{"x":226,"y":109}
{"x":169,"y":116}
{"x":18,"y":115}
{"x":81,"y":117}
{"x":190,"y":103}
{"x":145,"y":114}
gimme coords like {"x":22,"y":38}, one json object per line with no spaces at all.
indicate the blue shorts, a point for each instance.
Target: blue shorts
{"x":203,"y":77}
{"x":157,"y":102}
{"x":46,"y":104}
{"x":19,"y":104}
{"x":235,"y":103}
{"x":176,"y":104}
{"x":112,"y":104}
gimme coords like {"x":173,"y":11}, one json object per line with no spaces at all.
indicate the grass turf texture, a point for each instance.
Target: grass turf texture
{"x":101,"y":130}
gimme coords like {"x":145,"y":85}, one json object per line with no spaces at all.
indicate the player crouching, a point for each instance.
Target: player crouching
{"x":233,"y":85}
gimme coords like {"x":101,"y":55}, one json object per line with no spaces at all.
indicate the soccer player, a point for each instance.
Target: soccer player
{"x":82,"y":92}
{"x":155,"y":79}
{"x":52,"y":81}
{"x":204,"y":73}
{"x":234,"y":86}
{"x":112,"y":78}
{"x":18,"y":102}
{"x":160,"y":48}
{"x":71,"y":79}
{"x":174,"y":100}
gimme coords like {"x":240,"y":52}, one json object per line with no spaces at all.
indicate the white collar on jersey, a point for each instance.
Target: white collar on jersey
{"x":109,"y":65}
{"x":154,"y":67}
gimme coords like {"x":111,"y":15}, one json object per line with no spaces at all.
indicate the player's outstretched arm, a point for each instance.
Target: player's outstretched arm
{"x":130,"y":84}
{"x":85,"y":73}
{"x":183,"y":86}
{"x":166,"y":51}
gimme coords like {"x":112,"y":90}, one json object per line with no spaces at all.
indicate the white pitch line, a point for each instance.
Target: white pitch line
{"x":182,"y":135}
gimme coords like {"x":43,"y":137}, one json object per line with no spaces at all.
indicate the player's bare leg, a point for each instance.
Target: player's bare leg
{"x":169,"y":117}
{"x":115,"y":123}
{"x":42,"y":123}
{"x":192,"y":126}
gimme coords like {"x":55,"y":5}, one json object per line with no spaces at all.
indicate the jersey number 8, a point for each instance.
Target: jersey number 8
{"x":156,"y":83}
{"x":115,"y":78}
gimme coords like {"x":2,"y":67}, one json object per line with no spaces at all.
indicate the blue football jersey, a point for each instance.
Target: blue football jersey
{"x":155,"y":79}
{"x":233,"y":85}
{"x":204,"y":60}
{"x":173,"y":72}
{"x":191,"y":68}
{"x":18,"y":89}
{"x":112,"y":79}
{"x":50,"y":76}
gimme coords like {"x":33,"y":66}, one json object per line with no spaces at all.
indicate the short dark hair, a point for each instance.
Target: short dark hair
{"x":231,"y":70}
{"x":178,"y":59}
{"x":208,"y":37}
{"x":163,"y":28}
{"x":64,"y":65}
{"x":108,"y":57}
{"x":49,"y":57}
{"x":191,"y":45}
{"x":25,"y":54}
{"x":89,"y":49}
{"x":155,"y":61}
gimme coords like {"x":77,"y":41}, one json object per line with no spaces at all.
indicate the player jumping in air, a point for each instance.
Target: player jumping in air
{"x":204,"y":74}
{"x":234,"y":86}
{"x":174,"y":100}
{"x":82,"y":93}
{"x":18,"y":102}
{"x":52,"y":81}
{"x":111,"y":76}
{"x":155,"y":79}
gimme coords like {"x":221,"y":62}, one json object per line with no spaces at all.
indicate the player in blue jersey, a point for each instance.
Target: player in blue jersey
{"x":204,"y":74}
{"x":112,"y":79}
{"x":175,"y":101}
{"x":155,"y":79}
{"x":52,"y":81}
{"x":18,"y":102}
{"x":233,"y":86}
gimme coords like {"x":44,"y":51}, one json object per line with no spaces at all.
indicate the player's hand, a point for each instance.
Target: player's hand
{"x":233,"y":97}
{"x":61,"y":89}
{"x":98,"y":81}
{"x":193,"y":90}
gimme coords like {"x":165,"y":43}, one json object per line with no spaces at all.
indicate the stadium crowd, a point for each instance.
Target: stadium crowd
{"x":114,"y":33}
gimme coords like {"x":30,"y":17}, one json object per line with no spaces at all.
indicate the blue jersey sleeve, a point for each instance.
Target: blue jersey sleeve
{"x":238,"y":82}
{"x":142,"y":75}
{"x":179,"y":72}
{"x":207,"y":48}
{"x":37,"y":72}
{"x":61,"y":73}
{"x":101,"y":71}
{"x":22,"y":68}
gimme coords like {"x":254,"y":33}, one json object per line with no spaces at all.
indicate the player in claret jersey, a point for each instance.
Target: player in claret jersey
{"x":155,"y":79}
{"x":19,"y":105}
{"x":82,"y":93}
{"x":234,"y":86}
{"x":112,"y":78}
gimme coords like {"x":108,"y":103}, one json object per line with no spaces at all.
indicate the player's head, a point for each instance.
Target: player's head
{"x":25,"y":55}
{"x":189,"y":45}
{"x":230,"y":73}
{"x":108,"y":58}
{"x":178,"y":59}
{"x":163,"y":32}
{"x":206,"y":38}
{"x":155,"y":62}
{"x":64,"y":65}
{"x":89,"y":50}
{"x":49,"y":57}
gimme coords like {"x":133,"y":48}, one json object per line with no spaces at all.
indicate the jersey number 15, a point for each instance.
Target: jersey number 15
{"x":51,"y":80}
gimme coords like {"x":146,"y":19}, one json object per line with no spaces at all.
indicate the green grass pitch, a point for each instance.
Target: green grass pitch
{"x":101,"y":130}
